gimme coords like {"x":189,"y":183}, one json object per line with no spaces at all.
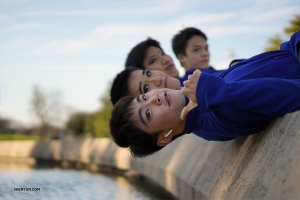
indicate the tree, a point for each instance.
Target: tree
{"x":294,"y":26}
{"x":47,"y":108}
{"x":95,"y":123}
{"x":275,"y":41}
{"x":101,"y":123}
{"x":76,"y":123}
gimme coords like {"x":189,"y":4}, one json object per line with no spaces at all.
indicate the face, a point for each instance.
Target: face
{"x":159,"y":111}
{"x":143,"y":81}
{"x":197,"y":54}
{"x":156,"y":59}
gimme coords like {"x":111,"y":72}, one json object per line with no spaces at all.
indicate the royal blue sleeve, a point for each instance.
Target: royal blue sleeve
{"x":270,"y":96}
{"x":291,"y":45}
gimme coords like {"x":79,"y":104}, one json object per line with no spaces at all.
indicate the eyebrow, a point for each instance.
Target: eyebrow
{"x":196,"y":45}
{"x":140,"y":112}
{"x":140,"y":84}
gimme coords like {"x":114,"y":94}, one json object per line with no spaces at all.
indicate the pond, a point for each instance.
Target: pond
{"x":22,"y":181}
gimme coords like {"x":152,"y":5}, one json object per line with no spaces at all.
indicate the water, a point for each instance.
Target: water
{"x":57,"y":183}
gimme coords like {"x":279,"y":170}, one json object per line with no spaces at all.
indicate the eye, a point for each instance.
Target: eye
{"x":148,"y":73}
{"x":152,"y":61}
{"x":196,"y":50}
{"x":144,"y":97}
{"x":163,"y":53}
{"x":206,"y":48}
{"x":147,"y":113}
{"x":146,"y":88}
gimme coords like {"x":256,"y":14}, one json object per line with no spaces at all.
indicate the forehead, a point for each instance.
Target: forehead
{"x":196,"y":40}
{"x":134,"y":81}
{"x":152,"y":50}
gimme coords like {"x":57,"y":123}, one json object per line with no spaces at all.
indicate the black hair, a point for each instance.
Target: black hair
{"x":138,"y":53}
{"x":120,"y":86}
{"x":180,"y":40}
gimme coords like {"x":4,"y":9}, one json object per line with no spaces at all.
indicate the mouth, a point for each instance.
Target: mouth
{"x":168,"y":99}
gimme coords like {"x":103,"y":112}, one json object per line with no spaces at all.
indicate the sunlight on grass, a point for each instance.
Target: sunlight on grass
{"x":16,"y":136}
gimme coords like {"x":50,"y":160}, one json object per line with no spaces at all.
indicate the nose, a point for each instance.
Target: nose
{"x":156,"y":99}
{"x":205,"y":53}
{"x":165,"y":59}
{"x":156,"y":81}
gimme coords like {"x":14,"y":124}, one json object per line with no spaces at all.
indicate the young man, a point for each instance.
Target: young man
{"x":240,"y":101}
{"x":134,"y":81}
{"x":149,"y":55}
{"x":191,"y":49}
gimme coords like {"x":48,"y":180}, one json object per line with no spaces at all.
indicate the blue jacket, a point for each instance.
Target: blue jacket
{"x":245,"y":98}
{"x":191,"y":71}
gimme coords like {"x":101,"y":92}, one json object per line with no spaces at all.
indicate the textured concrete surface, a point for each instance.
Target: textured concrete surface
{"x":262,"y":166}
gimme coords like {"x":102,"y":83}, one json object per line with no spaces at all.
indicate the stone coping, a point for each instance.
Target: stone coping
{"x":261,"y":166}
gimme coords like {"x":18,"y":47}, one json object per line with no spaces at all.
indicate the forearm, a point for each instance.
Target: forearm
{"x":271,"y":96}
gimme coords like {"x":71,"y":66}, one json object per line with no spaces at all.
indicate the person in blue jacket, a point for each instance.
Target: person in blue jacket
{"x":192,"y":50}
{"x":240,"y":101}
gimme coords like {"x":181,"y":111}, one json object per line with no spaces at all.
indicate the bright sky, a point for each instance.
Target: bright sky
{"x":77,"y":46}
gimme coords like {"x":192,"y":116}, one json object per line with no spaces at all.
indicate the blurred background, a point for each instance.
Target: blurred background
{"x":58,"y":58}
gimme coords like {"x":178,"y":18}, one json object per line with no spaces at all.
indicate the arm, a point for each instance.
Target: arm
{"x":270,"y":96}
{"x":293,"y":45}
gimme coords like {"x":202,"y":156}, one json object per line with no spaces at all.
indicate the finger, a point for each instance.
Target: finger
{"x":187,"y":109}
{"x":197,"y":72}
{"x":184,"y":91}
{"x":184,"y":112}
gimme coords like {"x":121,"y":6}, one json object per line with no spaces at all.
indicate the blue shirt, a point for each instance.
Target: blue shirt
{"x":245,"y":98}
{"x":210,"y":70}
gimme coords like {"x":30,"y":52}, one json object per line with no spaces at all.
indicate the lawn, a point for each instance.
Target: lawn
{"x":16,"y":136}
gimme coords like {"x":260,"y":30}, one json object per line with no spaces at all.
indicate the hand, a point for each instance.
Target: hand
{"x":189,"y":90}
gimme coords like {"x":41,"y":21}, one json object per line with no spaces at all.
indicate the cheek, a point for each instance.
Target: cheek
{"x":156,"y":67}
{"x":163,"y":117}
{"x":174,"y":85}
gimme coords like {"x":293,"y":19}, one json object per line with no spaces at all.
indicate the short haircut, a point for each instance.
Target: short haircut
{"x":120,"y":86}
{"x":137,"y":54}
{"x":180,"y":40}
{"x":126,"y":134}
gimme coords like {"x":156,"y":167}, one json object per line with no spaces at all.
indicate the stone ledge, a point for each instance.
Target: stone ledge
{"x":261,"y":166}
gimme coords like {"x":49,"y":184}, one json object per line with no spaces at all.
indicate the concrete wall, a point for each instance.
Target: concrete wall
{"x":262,"y":166}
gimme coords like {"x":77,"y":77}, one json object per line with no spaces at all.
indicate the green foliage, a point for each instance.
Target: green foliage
{"x":89,"y":123}
{"x":95,"y":123}
{"x":15,"y":136}
{"x":76,"y":123}
{"x":275,"y":41}
{"x":294,"y":26}
{"x":102,"y":117}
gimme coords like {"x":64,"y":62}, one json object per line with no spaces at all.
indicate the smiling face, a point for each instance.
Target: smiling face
{"x":197,"y":54}
{"x":156,"y":59}
{"x":159,"y":111}
{"x":143,"y":81}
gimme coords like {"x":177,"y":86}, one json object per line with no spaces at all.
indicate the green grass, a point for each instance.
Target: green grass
{"x":16,"y":136}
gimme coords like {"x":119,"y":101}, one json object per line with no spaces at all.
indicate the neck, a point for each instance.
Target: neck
{"x":179,"y":129}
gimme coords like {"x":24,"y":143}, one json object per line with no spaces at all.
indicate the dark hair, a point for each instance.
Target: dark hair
{"x":180,"y":40}
{"x":120,"y":84}
{"x":126,"y":134}
{"x":137,"y":54}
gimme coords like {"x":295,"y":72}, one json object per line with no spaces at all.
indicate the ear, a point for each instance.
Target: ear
{"x":162,"y":140}
{"x":181,"y":57}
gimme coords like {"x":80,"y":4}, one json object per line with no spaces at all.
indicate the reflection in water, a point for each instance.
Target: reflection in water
{"x":67,"y":184}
